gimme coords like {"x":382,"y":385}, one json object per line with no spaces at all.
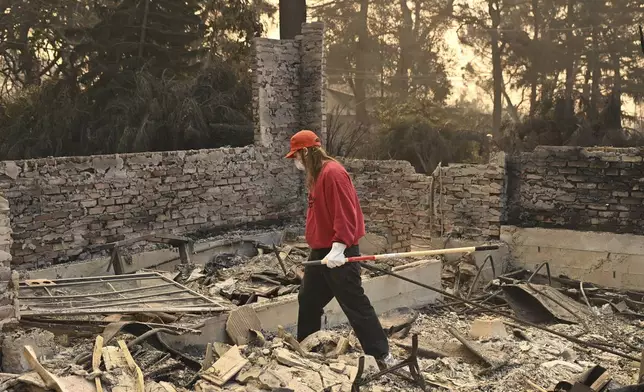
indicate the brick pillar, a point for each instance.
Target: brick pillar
{"x":288,"y":95}
{"x":276,"y":93}
{"x":289,"y":87}
{"x":313,"y":79}
{"x":8,"y":279}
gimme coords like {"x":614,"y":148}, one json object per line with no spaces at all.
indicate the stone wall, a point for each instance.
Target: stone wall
{"x":589,"y":189}
{"x":8,"y":280}
{"x":394,"y":199}
{"x":464,"y":200}
{"x":469,"y":201}
{"x":62,"y":206}
{"x":598,"y":189}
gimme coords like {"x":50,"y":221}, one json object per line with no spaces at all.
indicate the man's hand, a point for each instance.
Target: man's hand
{"x":335,"y":258}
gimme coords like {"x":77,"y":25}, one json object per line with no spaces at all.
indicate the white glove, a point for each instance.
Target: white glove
{"x":335,"y":258}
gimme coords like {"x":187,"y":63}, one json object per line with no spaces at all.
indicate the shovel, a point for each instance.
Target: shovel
{"x":421,"y":253}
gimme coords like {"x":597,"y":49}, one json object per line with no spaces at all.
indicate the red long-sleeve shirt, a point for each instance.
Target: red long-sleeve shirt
{"x":334,"y":213}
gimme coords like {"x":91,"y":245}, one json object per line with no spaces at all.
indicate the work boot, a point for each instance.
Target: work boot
{"x":386,"y":362}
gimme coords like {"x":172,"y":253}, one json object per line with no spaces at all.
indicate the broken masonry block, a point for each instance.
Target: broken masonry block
{"x":488,"y":328}
{"x":13,"y":360}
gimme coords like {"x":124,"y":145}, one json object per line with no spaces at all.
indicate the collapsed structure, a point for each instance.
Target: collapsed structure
{"x":578,"y":209}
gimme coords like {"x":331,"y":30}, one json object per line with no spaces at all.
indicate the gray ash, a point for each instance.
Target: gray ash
{"x":223,"y":260}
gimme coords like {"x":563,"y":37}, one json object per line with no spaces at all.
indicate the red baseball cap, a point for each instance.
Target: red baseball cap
{"x":303,"y":139}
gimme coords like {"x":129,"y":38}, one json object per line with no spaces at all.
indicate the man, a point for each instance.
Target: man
{"x":334,"y":225}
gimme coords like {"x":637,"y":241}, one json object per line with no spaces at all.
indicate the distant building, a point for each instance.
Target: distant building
{"x":341,"y":102}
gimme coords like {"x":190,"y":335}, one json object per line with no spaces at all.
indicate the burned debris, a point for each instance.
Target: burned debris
{"x":119,"y":294}
{"x":196,"y":329}
{"x":244,"y":279}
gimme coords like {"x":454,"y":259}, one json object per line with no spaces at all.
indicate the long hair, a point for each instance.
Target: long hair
{"x":314,"y":159}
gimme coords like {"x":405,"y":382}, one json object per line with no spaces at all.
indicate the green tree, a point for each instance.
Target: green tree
{"x":230,"y":26}
{"x":574,"y":60}
{"x":352,"y":56}
{"x":427,"y":140}
{"x":130,"y":75}
{"x":158,"y":35}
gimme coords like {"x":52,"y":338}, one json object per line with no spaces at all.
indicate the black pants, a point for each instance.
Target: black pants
{"x":318,"y":288}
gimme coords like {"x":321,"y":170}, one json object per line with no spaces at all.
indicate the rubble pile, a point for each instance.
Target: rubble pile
{"x":524,"y":354}
{"x":272,"y":272}
{"x":520,"y":331}
{"x":326,"y":359}
{"x":329,"y":359}
{"x":244,"y":280}
{"x":319,"y":362}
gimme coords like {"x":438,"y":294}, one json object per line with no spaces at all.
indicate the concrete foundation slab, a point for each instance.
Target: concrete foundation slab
{"x":608,"y":259}
{"x":385,"y":292}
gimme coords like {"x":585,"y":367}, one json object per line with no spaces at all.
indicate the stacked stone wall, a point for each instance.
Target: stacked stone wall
{"x":61,"y":207}
{"x":592,"y":189}
{"x":470,"y":200}
{"x":394,"y":199}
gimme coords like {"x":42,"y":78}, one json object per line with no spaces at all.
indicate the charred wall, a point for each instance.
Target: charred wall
{"x":590,"y":189}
